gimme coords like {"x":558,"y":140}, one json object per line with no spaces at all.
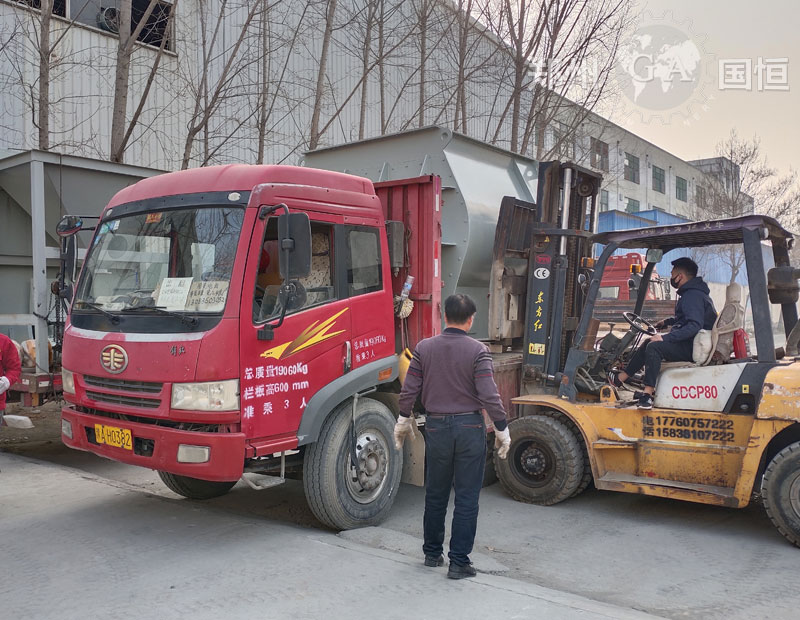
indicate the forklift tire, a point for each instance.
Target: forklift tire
{"x":780,"y":492}
{"x":489,"y":474}
{"x":337,"y":498}
{"x":545,"y":463}
{"x":193,"y":488}
{"x":587,"y":478}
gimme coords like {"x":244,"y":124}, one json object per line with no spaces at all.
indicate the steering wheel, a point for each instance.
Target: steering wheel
{"x":639,"y":324}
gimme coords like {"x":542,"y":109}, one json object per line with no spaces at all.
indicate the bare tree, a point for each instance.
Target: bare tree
{"x":561,"y":54}
{"x":123,"y":128}
{"x":330,"y":16}
{"x":223,"y":64}
{"x":740,"y":181}
{"x":34,"y":44}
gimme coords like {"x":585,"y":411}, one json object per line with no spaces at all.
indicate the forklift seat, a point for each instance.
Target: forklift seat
{"x":717,"y":343}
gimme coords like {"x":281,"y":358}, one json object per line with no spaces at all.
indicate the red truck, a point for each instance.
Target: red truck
{"x":623,"y":275}
{"x":241,"y":321}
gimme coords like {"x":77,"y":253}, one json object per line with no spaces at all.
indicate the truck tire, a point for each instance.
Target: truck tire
{"x":337,"y":498}
{"x":545,"y":463}
{"x":193,"y":488}
{"x":780,"y":492}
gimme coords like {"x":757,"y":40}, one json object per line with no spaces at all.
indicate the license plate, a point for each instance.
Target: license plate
{"x":113,"y":436}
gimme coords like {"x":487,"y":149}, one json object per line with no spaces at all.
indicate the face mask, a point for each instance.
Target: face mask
{"x":674,"y":283}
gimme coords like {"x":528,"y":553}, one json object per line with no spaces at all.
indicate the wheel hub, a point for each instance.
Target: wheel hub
{"x":372,"y":463}
{"x":794,"y":495}
{"x":534,"y":461}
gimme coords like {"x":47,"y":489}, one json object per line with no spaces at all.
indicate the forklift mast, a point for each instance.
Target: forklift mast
{"x":536,"y":293}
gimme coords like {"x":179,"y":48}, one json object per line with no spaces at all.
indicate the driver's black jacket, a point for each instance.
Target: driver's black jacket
{"x":693,"y":312}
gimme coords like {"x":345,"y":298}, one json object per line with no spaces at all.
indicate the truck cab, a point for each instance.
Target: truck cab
{"x":226,"y":321}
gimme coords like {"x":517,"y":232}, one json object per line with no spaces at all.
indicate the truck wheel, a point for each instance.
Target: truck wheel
{"x":780,"y":491}
{"x":340,"y":497}
{"x":545,"y":463}
{"x":193,"y":488}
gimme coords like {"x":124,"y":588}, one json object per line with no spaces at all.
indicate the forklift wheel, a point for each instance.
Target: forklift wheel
{"x":545,"y":464}
{"x":192,"y":488}
{"x":780,"y":490}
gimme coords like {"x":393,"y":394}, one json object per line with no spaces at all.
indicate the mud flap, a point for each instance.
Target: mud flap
{"x":414,"y":460}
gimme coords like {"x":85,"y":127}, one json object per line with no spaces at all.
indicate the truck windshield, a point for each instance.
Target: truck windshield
{"x":177,"y":260}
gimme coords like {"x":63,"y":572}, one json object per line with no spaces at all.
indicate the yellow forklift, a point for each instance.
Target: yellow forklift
{"x":723,"y":427}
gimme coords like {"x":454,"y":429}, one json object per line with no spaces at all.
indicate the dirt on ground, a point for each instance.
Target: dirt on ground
{"x":46,"y":421}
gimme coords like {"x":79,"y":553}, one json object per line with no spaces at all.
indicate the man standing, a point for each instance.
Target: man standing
{"x":453,"y":374}
{"x":9,"y":370}
{"x":693,"y":312}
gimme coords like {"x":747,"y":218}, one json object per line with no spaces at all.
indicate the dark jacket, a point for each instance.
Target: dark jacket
{"x":453,"y":373}
{"x":693,"y":312}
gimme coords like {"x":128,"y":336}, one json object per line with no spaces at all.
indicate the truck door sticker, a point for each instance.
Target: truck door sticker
{"x":311,"y":335}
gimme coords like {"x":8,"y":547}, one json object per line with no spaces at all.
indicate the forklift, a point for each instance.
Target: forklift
{"x":724,"y":427}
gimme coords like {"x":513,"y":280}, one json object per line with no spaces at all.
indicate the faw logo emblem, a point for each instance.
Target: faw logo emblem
{"x":114,"y":359}
{"x":311,"y":335}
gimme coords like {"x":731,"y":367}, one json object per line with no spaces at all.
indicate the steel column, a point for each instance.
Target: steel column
{"x":39,"y":281}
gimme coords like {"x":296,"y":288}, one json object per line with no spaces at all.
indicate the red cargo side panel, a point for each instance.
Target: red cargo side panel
{"x":417,"y":203}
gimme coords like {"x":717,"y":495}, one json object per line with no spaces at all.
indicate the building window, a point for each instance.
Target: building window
{"x":563,"y":143}
{"x":105,"y":16}
{"x":632,"y":206}
{"x":631,"y":168}
{"x":599,"y":154}
{"x":700,"y":196}
{"x":603,"y":200}
{"x":59,"y":6}
{"x":658,"y":180}
{"x":680,"y":189}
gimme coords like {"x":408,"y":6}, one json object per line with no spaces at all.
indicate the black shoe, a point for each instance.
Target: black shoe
{"x":461,"y":571}
{"x":432,"y":560}
{"x":613,"y":378}
{"x":645,"y":401}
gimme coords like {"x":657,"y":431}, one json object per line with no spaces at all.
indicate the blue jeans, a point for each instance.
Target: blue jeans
{"x":455,"y":456}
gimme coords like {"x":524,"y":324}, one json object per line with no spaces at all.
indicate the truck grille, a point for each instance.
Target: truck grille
{"x":120,"y":399}
{"x":110,"y":383}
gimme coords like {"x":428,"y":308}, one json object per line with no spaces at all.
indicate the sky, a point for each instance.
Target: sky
{"x":731,"y":29}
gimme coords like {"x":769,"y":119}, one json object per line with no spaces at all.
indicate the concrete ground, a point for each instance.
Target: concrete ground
{"x":659,"y":556}
{"x":78,"y":546}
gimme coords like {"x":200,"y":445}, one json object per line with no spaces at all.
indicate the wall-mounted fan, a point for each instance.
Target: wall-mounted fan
{"x":108,"y":19}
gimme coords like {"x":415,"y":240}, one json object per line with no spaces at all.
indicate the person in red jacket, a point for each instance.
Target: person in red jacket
{"x":9,"y":369}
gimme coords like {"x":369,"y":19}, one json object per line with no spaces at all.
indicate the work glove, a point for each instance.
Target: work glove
{"x":402,"y":429}
{"x":502,"y":442}
{"x":4,"y":384}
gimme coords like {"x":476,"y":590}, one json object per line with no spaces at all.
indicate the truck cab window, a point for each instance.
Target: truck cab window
{"x":363,"y":261}
{"x":316,"y":288}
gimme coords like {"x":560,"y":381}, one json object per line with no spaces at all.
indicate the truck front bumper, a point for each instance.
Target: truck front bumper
{"x":156,"y":447}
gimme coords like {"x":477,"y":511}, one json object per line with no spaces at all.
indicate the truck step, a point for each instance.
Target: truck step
{"x":260,"y":482}
{"x":612,"y":477}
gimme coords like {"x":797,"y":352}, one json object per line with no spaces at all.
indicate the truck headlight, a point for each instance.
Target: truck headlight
{"x":209,"y":396}
{"x":67,"y":381}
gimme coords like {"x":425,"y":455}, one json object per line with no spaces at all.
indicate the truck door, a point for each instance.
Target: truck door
{"x":309,"y":349}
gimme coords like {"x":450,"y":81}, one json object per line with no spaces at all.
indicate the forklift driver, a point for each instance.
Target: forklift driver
{"x":693,"y":312}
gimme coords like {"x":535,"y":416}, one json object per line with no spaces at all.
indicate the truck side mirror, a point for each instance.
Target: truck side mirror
{"x":69,"y":225}
{"x":654,"y":256}
{"x":294,"y":235}
{"x":782,"y":285}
